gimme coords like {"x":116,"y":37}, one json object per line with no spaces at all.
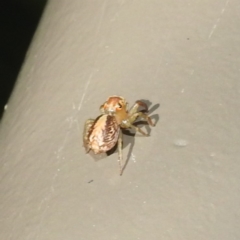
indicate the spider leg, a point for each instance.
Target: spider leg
{"x":128,"y":123}
{"x":136,"y":106}
{"x":134,"y":116}
{"x":137,"y":129}
{"x":120,"y":157}
{"x":87,"y":126}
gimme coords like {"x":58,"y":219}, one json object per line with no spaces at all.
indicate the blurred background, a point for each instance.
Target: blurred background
{"x":18,"y":22}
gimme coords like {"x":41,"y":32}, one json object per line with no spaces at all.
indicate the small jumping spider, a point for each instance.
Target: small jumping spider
{"x":101,"y":134}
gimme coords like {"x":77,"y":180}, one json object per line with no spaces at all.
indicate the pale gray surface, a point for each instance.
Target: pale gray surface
{"x":180,"y":183}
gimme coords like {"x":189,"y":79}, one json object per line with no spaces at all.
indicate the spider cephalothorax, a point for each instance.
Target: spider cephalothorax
{"x":102,"y":134}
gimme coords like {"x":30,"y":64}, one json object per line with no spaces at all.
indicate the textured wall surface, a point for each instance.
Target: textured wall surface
{"x":183,"y":181}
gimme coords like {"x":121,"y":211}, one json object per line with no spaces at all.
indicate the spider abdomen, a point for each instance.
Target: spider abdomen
{"x":103,"y":134}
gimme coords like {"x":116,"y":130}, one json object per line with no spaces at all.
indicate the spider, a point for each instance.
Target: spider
{"x":103,"y":133}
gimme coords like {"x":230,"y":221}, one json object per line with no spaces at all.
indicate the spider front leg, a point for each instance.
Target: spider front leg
{"x":133,"y":115}
{"x":131,"y":119}
{"x":88,"y":124}
{"x":136,"y":106}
